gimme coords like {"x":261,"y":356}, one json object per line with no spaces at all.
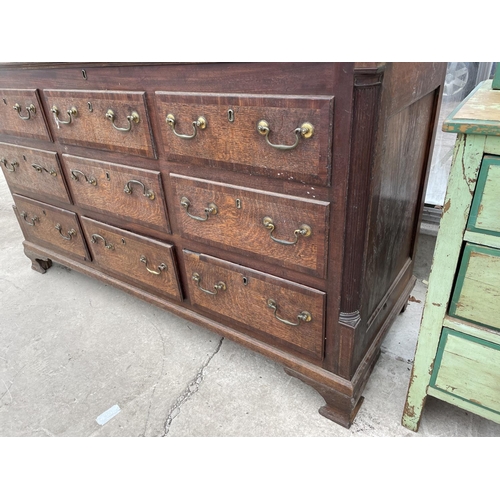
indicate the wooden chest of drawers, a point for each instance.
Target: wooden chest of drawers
{"x":276,"y":204}
{"x":458,"y":351}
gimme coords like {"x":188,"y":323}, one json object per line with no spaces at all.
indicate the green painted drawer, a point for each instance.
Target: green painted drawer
{"x":476,"y":296}
{"x":468,"y":368}
{"x":485,"y":211}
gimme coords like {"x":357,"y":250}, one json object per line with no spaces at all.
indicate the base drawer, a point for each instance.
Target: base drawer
{"x":281,"y":310}
{"x":141,"y":261}
{"x":52,"y":226}
{"x":468,"y":368}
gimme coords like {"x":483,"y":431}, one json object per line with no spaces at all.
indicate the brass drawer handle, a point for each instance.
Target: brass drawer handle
{"x":134,"y":117}
{"x":90,"y":180}
{"x":217,"y":287}
{"x":34,"y":219}
{"x":304,"y":230}
{"x":41,"y":169}
{"x":71,"y":232}
{"x":71,"y":113}
{"x":303,"y":316}
{"x":107,"y":245}
{"x":210,"y":210}
{"x":306,"y":130}
{"x":13,"y":164}
{"x":30,"y":109}
{"x":161,"y":267}
{"x":147,"y":193}
{"x":200,"y":123}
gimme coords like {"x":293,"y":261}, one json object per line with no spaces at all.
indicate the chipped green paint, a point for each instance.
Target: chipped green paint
{"x":467,"y":368}
{"x":462,"y":367}
{"x":473,"y":330}
{"x":492,"y":145}
{"x":465,"y":405}
{"x":485,"y":211}
{"x":482,"y":239}
{"x":496,"y":79}
{"x":466,"y":162}
{"x":475,"y":297}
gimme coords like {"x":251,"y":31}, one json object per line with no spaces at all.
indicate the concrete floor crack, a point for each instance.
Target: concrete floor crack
{"x":191,"y":388}
{"x":159,"y":377}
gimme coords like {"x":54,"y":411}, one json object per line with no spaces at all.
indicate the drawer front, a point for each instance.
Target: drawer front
{"x":475,"y":297}
{"x":141,"y":261}
{"x":94,"y":117}
{"x":468,"y":368}
{"x":45,"y":224}
{"x":22,"y":115}
{"x":485,"y":210}
{"x":33,"y":170}
{"x":230,"y":135}
{"x":127,"y":193}
{"x":279,"y":309}
{"x":289,"y":231}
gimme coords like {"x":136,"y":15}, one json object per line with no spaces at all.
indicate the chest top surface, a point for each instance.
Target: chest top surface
{"x":478,"y":114}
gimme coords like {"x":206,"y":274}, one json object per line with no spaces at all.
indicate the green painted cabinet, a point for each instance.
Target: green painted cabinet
{"x":457,"y":358}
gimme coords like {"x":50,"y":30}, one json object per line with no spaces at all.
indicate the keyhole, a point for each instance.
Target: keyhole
{"x":84,"y":74}
{"x":107,"y":176}
{"x":4,"y":101}
{"x":245,"y":280}
{"x":230,"y":115}
{"x":89,"y":104}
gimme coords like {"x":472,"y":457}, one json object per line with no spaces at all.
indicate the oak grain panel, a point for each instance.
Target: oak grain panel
{"x":43,"y":230}
{"x":238,"y":145}
{"x":108,"y":195}
{"x":247,"y":303}
{"x":243,"y":228}
{"x":12,"y":124}
{"x":91,"y":128}
{"x":124,"y":257}
{"x":47,"y":178}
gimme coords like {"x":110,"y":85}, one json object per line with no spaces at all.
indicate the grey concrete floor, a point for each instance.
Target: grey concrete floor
{"x":72,"y":347}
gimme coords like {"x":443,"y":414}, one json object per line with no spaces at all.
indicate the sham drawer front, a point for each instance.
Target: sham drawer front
{"x":46,"y":224}
{"x":289,"y":231}
{"x":485,"y":210}
{"x":142,"y":261}
{"x":124,"y":192}
{"x":282,"y":310}
{"x":230,"y":136}
{"x":93,"y":117}
{"x":21,"y":114}
{"x":33,"y":170}
{"x":477,"y":288}
{"x":468,"y":368}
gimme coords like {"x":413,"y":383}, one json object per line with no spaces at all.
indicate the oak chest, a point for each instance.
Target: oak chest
{"x":277,"y":204}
